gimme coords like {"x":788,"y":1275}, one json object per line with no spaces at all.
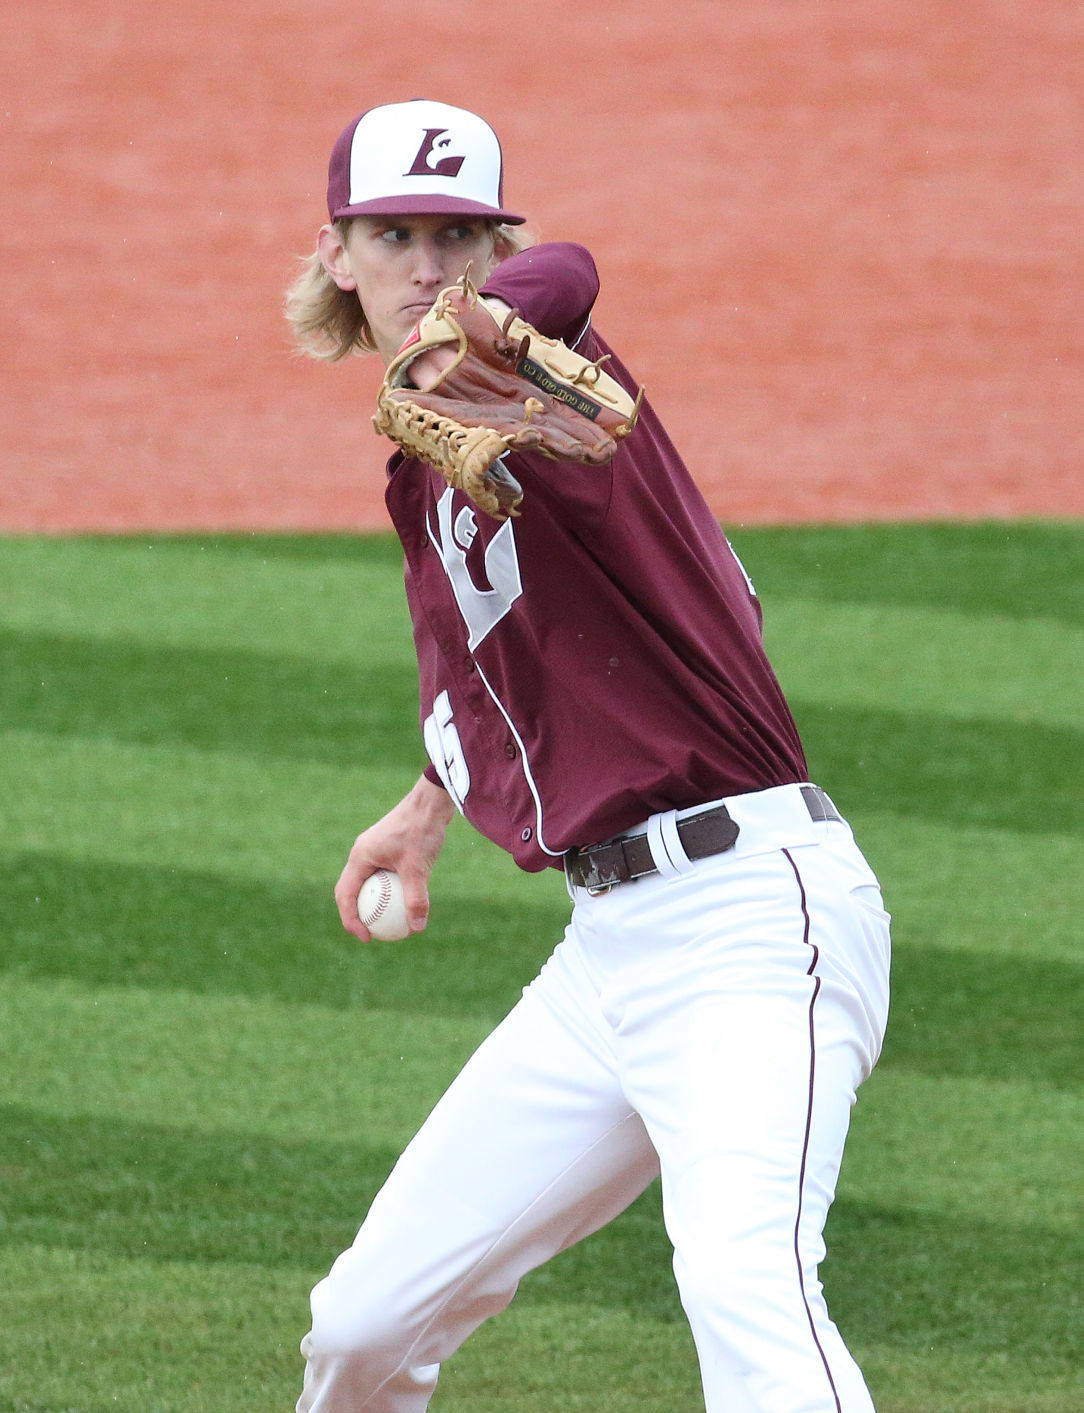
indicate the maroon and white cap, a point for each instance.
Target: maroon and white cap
{"x":420,"y":158}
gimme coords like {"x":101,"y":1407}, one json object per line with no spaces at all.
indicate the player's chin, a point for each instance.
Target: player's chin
{"x":412,"y":315}
{"x":395,"y":332}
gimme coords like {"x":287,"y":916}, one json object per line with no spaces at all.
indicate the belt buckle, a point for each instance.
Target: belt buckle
{"x":595,"y":883}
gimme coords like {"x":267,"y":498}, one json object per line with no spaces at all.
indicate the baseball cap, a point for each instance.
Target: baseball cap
{"x":419,"y":158}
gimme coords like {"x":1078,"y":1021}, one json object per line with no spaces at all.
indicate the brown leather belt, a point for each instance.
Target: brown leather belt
{"x":602,"y":866}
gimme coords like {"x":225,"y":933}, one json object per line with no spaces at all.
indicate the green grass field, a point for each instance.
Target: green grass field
{"x":205,"y":1080}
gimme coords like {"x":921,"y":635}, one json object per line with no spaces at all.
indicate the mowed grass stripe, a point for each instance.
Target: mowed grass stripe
{"x":258,"y":585}
{"x":988,"y":891}
{"x":238,"y":815}
{"x":990,"y":894}
{"x":956,"y":1011}
{"x":929,"y":662}
{"x":109,"y":924}
{"x":170,"y":1193}
{"x":225,"y":699}
{"x":1006,"y":568}
{"x":217,"y":596}
{"x":968,"y":773}
{"x":1001,"y":1150}
{"x":252,"y":1116}
{"x":167,"y":1193}
{"x":959,"y":1013}
{"x":120,"y":797}
{"x":167,"y":1336}
{"x":144,"y":1336}
{"x":1029,"y":780}
{"x":304,"y":1075}
{"x":936,"y":666}
{"x":186,"y":593}
{"x":149,"y":1335}
{"x":286,"y":1072}
{"x":589,"y":1362}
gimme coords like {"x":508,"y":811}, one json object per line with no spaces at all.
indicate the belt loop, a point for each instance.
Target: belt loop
{"x":667,"y":851}
{"x":819,"y":804}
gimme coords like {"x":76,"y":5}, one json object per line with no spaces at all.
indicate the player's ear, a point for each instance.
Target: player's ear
{"x":331,"y":248}
{"x":501,"y":248}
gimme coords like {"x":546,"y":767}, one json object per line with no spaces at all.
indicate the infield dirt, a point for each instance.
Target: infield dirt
{"x":841,"y":245}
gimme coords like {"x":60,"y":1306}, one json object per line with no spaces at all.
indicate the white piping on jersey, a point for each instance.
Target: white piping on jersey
{"x":580,"y":336}
{"x":539,"y":837}
{"x":496,"y":607}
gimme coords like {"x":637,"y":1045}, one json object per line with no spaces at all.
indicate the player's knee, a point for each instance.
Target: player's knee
{"x":363,"y":1324}
{"x":746,"y":1279}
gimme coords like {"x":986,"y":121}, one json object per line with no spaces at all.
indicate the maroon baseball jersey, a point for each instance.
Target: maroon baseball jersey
{"x":599,"y":658}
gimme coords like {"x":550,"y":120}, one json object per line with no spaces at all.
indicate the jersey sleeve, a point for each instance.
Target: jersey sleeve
{"x":554,"y":287}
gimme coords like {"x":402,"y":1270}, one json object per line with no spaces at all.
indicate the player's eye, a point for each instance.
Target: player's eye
{"x":396,"y":235}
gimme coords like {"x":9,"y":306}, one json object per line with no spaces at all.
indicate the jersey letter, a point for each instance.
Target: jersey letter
{"x":482,"y":609}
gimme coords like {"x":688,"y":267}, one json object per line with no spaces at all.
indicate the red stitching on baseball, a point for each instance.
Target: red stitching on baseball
{"x":375,"y":911}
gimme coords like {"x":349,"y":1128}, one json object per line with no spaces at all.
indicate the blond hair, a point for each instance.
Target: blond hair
{"x":329,"y":323}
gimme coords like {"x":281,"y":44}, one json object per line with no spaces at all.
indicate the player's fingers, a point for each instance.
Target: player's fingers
{"x":346,"y":898}
{"x":429,"y":367}
{"x":415,"y":896}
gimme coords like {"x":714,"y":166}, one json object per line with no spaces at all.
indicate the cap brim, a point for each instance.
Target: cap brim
{"x":428,"y":206}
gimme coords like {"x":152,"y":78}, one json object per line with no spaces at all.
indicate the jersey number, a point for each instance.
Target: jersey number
{"x":446,"y":750}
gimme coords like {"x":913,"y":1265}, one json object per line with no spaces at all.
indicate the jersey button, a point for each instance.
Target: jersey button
{"x":527,"y":834}
{"x":510,"y":750}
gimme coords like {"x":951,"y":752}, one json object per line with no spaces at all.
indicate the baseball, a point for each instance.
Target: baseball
{"x":382,"y":907}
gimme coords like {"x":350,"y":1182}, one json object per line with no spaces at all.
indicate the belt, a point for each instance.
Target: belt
{"x":712,"y":831}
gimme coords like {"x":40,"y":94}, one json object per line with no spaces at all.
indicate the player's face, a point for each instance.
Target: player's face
{"x":399,"y":264}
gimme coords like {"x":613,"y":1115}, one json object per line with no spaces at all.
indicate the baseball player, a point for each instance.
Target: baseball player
{"x":595,"y":698}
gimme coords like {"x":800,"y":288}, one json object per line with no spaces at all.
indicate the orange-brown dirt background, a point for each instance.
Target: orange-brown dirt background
{"x":840,"y":243}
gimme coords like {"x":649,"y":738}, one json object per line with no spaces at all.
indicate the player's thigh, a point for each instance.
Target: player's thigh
{"x":532,"y":1147}
{"x":753,"y":1124}
{"x":536,"y":1098}
{"x":741,"y":1031}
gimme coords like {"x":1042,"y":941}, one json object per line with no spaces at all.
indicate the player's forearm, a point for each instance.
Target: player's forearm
{"x":431,"y":804}
{"x":411,"y":835}
{"x":554,"y":286}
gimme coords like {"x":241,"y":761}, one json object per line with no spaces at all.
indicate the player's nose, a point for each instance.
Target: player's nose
{"x":428,"y":263}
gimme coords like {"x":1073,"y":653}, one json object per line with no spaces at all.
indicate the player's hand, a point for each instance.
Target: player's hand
{"x":429,"y":367}
{"x":407,"y":840}
{"x":427,"y":370}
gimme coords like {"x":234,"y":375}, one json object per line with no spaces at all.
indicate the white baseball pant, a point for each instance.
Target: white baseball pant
{"x":711,"y":1023}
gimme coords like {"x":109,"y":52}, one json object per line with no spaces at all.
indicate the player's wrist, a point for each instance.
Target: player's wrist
{"x":432,"y":800}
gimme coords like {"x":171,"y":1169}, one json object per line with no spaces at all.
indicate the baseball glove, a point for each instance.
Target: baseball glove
{"x":507,"y":388}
